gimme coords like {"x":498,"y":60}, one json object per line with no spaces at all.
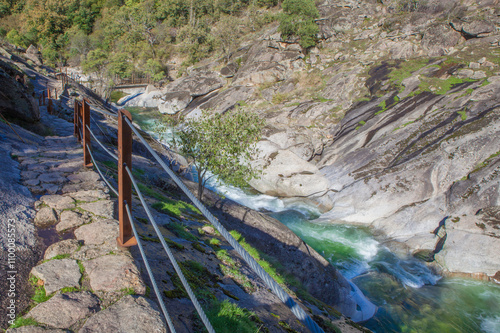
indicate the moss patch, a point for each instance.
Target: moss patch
{"x":175,"y":208}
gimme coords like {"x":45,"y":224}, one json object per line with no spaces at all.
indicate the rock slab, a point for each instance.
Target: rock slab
{"x":130,"y":314}
{"x":114,"y":273}
{"x":58,"y":274}
{"x":71,"y":307}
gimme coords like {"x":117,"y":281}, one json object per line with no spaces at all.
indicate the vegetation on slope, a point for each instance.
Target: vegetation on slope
{"x":121,"y":38}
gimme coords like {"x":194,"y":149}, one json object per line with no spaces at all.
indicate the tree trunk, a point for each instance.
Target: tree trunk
{"x":201,"y":188}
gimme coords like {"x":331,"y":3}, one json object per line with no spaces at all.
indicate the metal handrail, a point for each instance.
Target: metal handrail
{"x":150,"y":273}
{"x":170,"y":255}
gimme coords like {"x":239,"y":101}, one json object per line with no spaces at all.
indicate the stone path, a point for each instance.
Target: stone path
{"x":94,"y":286}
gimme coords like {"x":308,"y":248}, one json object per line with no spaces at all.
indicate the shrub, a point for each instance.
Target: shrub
{"x":298,"y":20}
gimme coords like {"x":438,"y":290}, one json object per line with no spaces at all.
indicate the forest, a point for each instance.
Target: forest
{"x":119,"y":38}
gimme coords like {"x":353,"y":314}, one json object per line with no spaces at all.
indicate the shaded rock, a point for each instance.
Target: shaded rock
{"x":131,"y":313}
{"x":31,"y":182}
{"x":104,"y":208}
{"x":73,"y":166}
{"x":86,"y":176}
{"x":45,"y":217}
{"x":98,"y":232}
{"x":173,"y":102}
{"x":70,"y":308}
{"x":67,"y":246}
{"x":34,"y":55}
{"x":473,"y":28}
{"x":50,"y":188}
{"x":58,"y":202}
{"x":113,"y":273}
{"x":52,"y":177}
{"x":70,"y":219}
{"x":58,"y":274}
{"x":229,"y":70}
{"x":15,"y":101}
{"x":89,"y":195}
{"x":197,"y":84}
{"x":71,"y":188}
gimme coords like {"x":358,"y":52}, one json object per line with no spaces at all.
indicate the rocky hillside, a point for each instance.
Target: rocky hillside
{"x":64,"y":214}
{"x":391,"y":121}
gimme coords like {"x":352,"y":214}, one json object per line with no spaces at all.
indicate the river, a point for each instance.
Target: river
{"x":409,"y":296}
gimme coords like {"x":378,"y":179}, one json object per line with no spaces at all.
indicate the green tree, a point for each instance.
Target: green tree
{"x":223,"y":145}
{"x":298,"y":20}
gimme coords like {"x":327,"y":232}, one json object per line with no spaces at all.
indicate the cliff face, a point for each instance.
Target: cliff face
{"x":392,"y":121}
{"x":15,"y":100}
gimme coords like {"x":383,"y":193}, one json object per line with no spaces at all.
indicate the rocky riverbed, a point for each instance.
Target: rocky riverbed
{"x":391,"y":122}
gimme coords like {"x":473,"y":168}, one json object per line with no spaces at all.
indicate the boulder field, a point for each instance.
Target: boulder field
{"x":392,"y":121}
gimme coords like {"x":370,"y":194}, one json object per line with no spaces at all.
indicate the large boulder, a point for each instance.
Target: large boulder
{"x":287,"y":175}
{"x":33,"y":54}
{"x":15,"y":101}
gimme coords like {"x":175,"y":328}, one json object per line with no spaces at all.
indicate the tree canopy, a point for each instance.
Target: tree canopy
{"x":298,"y":20}
{"x":221,"y":145}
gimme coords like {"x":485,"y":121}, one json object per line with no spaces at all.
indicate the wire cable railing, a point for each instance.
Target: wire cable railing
{"x":102,"y":145}
{"x":170,"y":255}
{"x":101,"y":174}
{"x":150,"y":273}
{"x":270,"y":282}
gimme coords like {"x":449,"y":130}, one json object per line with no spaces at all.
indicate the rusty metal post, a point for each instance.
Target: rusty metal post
{"x":87,"y":162}
{"x":75,"y":119}
{"x":78,"y":121}
{"x":125,"y":239}
{"x":49,"y":102}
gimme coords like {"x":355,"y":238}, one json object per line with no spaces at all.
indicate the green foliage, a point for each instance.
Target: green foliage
{"x":95,"y":61}
{"x":227,"y":317}
{"x":257,"y":256}
{"x":463,"y":114}
{"x":69,"y":290}
{"x":222,"y":145}
{"x":22,"y":321}
{"x":116,"y":95}
{"x":298,"y":20}
{"x":175,"y":208}
{"x":155,"y":69}
{"x":39,"y":295}
{"x":14,"y":37}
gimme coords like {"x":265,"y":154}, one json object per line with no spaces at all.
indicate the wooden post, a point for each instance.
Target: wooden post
{"x":125,"y":239}
{"x":87,"y":162}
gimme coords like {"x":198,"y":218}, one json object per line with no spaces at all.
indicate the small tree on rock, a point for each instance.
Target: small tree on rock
{"x":222,"y":144}
{"x":298,"y":20}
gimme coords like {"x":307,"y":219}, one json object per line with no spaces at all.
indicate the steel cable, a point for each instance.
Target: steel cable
{"x":106,"y":135}
{"x":102,"y":146}
{"x":170,"y":255}
{"x":151,"y":276}
{"x":271,"y":283}
{"x":100,"y":173}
